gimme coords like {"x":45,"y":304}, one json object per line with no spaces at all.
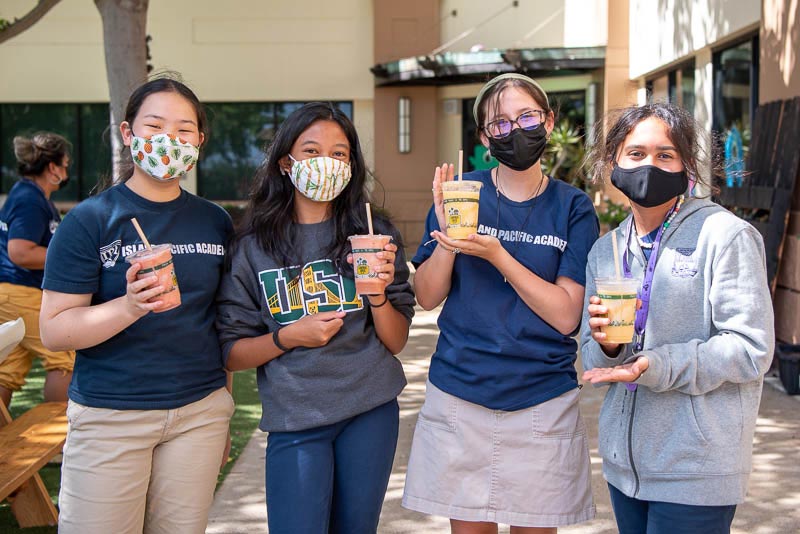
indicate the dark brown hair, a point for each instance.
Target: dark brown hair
{"x":34,"y":154}
{"x":691,"y":142}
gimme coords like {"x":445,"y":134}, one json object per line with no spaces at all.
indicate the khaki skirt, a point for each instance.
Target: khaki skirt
{"x":527,"y":468}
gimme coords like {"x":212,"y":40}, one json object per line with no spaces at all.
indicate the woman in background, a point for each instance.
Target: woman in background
{"x":28,"y":220}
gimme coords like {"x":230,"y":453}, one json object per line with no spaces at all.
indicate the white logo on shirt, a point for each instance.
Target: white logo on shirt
{"x":109,"y":254}
{"x":53,"y":226}
{"x":520,"y":236}
{"x":684,"y":264}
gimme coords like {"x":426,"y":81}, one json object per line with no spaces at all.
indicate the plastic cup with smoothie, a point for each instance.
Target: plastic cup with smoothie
{"x":365,"y":247}
{"x":461,"y":199}
{"x":158,"y":260}
{"x":619,"y":296}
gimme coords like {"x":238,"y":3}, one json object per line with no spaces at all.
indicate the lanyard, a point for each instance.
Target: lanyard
{"x":644,"y":293}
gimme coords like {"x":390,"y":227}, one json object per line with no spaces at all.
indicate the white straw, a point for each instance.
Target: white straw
{"x":616,"y":253}
{"x":369,"y":219}
{"x":460,"y":163}
{"x":141,"y":233}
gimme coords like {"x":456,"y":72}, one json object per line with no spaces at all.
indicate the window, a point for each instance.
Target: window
{"x":735,"y":89}
{"x":676,"y":87}
{"x":84,"y":125}
{"x":681,"y":86}
{"x":404,"y":125}
{"x":240,"y":133}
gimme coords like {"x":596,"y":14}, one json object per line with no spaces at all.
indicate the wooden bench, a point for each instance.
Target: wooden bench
{"x":26,"y":444}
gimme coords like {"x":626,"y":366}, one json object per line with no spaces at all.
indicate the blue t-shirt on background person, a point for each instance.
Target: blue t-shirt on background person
{"x":493,"y":350}
{"x":163,"y":360}
{"x":27,"y":214}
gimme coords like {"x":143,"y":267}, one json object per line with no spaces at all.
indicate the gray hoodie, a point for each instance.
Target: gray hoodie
{"x":686,"y":434}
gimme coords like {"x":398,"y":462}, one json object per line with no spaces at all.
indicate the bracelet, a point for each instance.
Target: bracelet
{"x":385,"y":300}
{"x":277,"y":341}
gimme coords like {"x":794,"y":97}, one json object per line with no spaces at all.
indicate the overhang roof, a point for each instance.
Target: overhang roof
{"x":475,"y":67}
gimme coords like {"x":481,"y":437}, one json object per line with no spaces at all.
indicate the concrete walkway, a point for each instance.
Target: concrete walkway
{"x":773,"y":505}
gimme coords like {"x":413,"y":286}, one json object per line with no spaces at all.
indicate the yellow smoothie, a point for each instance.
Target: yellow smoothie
{"x":620,"y":297}
{"x":461,"y":199}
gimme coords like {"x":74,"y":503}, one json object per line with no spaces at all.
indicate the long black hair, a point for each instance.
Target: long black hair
{"x":270,"y":211}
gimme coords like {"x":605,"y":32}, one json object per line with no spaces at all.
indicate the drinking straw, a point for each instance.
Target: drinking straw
{"x":141,"y":233}
{"x":616,"y":253}
{"x":460,"y":163}
{"x":369,"y":218}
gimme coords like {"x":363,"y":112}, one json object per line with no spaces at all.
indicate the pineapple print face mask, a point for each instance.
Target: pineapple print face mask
{"x":164,"y":156}
{"x":321,"y":179}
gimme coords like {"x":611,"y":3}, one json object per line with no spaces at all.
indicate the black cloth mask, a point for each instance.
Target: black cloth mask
{"x":648,"y":186}
{"x":521,"y":148}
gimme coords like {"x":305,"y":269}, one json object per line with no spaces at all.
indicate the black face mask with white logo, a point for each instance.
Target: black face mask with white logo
{"x":521,"y":148}
{"x":648,"y":186}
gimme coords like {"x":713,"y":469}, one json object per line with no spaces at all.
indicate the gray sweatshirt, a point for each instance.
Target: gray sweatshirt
{"x":311,"y":387}
{"x":686,"y":434}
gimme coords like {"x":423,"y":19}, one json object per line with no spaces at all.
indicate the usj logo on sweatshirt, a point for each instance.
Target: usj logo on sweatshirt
{"x":291,"y":293}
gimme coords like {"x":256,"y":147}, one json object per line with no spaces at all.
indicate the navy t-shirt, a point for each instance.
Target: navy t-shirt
{"x":493,"y":350}
{"x":163,"y":360}
{"x":27,"y":214}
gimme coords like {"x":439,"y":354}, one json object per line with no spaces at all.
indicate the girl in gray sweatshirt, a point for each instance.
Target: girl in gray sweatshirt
{"x":677,"y":422}
{"x":327,"y":372}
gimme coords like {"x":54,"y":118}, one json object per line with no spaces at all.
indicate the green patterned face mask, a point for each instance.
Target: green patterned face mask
{"x":321,"y":179}
{"x":164,"y":156}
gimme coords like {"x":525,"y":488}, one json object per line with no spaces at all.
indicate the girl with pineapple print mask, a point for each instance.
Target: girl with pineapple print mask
{"x":148,"y":408}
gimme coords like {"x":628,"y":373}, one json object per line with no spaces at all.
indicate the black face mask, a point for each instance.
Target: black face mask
{"x":649,"y":186}
{"x":521,"y":148}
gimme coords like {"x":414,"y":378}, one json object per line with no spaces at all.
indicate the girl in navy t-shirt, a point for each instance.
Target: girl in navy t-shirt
{"x":149,"y":410}
{"x":27,"y":222}
{"x":499,"y":438}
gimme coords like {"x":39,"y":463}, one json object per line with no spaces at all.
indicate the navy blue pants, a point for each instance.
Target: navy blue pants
{"x":331,"y":479}
{"x":654,"y":517}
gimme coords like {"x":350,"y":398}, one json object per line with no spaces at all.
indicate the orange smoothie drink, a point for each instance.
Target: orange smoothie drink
{"x":619,"y":295}
{"x":461,"y":200}
{"x":158,"y":261}
{"x":365,"y":247}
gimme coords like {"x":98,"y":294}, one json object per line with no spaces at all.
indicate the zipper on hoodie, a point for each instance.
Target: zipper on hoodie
{"x":630,"y":443}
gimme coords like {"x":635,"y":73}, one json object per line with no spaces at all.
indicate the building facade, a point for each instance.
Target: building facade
{"x":406,"y":72}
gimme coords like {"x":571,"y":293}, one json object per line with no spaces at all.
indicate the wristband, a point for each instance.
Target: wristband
{"x":385,"y":300}
{"x":277,"y":341}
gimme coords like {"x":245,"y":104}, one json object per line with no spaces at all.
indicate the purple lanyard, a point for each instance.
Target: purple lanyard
{"x":644,"y":292}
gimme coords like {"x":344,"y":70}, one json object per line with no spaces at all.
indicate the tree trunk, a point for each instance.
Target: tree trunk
{"x":124,"y":34}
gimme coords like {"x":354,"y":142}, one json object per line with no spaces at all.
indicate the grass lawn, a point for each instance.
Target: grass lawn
{"x":244,"y":422}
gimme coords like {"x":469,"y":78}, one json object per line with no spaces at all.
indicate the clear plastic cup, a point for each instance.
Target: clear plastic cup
{"x":619,"y":295}
{"x":461,"y":201}
{"x":158,"y":261}
{"x":365,"y":247}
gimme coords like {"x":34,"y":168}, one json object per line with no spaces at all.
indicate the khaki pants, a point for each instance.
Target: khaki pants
{"x":134,"y":471}
{"x":22,"y":301}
